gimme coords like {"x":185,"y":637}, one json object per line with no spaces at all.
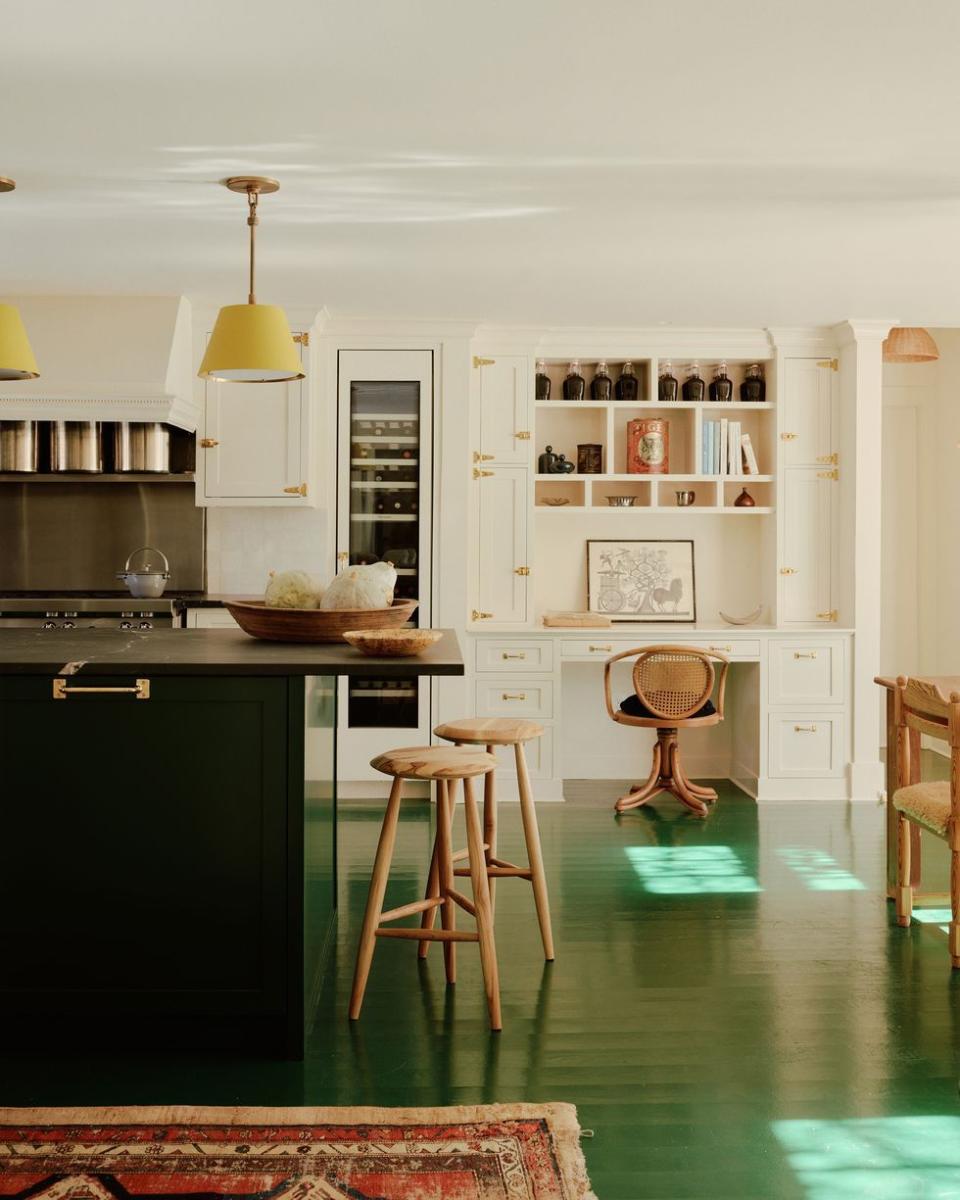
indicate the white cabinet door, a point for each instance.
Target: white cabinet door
{"x":505,"y":425}
{"x":259,"y":438}
{"x":810,"y":412}
{"x":808,"y":530}
{"x":500,"y":587}
{"x":805,"y":745}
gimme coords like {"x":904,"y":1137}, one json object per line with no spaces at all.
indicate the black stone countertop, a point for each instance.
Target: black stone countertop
{"x":204,"y":652}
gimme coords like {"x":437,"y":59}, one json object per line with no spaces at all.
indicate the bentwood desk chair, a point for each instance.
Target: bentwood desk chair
{"x":921,"y":706}
{"x":673,"y":686}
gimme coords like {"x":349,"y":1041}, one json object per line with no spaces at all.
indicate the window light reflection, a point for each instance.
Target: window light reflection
{"x":884,"y":1158}
{"x":689,"y":870}
{"x":819,"y":871}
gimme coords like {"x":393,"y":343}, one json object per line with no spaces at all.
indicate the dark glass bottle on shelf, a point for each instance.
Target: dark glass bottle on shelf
{"x":721,"y":385}
{"x":543,"y":381}
{"x":667,"y":386}
{"x":693,"y":384}
{"x":753,"y":390}
{"x":628,"y":385}
{"x":601,"y":386}
{"x":574,"y":386}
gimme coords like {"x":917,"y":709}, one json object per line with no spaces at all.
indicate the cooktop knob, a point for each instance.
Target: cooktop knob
{"x":69,"y":625}
{"x":146,"y":625}
{"x":49,"y":625}
{"x":126,"y":624}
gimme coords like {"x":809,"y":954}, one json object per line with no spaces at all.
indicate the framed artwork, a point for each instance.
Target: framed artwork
{"x":642,"y":580}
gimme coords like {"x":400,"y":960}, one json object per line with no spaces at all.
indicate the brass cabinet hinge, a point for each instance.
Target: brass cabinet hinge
{"x":831,"y":364}
{"x":478,"y":474}
{"x":788,"y":570}
{"x":788,"y":437}
{"x":834,"y":474}
{"x":299,"y":489}
{"x":522,"y":435}
{"x":480,"y":616}
{"x":478,"y":457}
{"x":521,"y":570}
{"x":829,"y":458}
{"x":827,"y":616}
{"x":483,"y":362}
{"x":302,"y":339}
{"x":208,"y":443}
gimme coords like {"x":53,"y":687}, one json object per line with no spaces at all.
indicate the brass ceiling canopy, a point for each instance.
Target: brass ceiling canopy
{"x":259,"y":184}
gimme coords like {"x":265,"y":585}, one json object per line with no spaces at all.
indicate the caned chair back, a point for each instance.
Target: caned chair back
{"x":674,"y":682}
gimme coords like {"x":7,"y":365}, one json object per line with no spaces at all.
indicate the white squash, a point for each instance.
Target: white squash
{"x":362,"y":587}
{"x":292,"y":589}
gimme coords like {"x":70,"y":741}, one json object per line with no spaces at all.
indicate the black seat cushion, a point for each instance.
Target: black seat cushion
{"x":633,"y":706}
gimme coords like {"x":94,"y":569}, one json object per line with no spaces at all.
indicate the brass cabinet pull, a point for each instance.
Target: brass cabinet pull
{"x":788,"y":437}
{"x":478,"y":474}
{"x":522,"y":435}
{"x":480,"y":616}
{"x":804,"y":654}
{"x":788,"y":570}
{"x":478,"y":457}
{"x":140,"y":691}
{"x":299,"y":489}
{"x":721,"y":649}
{"x":521,"y":570}
{"x":513,"y":695}
{"x":600,"y":649}
{"x":520,"y":654}
{"x":804,"y":729}
{"x":209,"y":443}
{"x":827,"y":616}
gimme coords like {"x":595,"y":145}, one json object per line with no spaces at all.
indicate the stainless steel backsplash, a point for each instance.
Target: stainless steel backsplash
{"x":76,"y":536}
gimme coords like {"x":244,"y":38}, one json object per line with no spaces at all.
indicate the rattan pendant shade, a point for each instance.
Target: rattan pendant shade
{"x":906,"y":345}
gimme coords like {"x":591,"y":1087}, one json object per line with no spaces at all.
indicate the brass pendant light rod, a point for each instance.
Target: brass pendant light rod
{"x":253,"y":221}
{"x":253,"y":186}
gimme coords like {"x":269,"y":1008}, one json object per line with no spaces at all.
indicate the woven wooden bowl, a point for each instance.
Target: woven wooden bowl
{"x":313,"y":624}
{"x":392,"y":643}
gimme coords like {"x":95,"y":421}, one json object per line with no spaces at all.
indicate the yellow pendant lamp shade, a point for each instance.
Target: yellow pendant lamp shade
{"x":906,"y":345}
{"x":16,"y":357}
{"x":251,"y":343}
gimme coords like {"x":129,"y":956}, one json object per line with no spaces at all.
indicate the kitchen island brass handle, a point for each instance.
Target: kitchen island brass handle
{"x":140,"y":690}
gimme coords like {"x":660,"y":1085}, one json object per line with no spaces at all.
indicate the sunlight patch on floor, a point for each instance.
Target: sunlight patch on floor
{"x":885,"y":1158}
{"x":690,"y":870}
{"x":819,"y":870}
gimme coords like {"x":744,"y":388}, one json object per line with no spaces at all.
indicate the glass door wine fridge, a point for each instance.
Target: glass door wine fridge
{"x":385,"y":408}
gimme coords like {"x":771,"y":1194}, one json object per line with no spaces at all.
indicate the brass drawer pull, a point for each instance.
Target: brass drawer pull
{"x":521,"y":654}
{"x":140,"y":691}
{"x":513,"y":695}
{"x":804,"y":729}
{"x":721,"y":649}
{"x":601,"y":649}
{"x":804,"y":654}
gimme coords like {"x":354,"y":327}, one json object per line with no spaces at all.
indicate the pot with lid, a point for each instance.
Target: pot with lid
{"x":148,"y":582}
{"x":141,"y":446}
{"x":19,"y":446}
{"x":76,"y":446}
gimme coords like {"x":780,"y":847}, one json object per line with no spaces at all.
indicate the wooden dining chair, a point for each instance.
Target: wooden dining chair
{"x":673,"y":689}
{"x":921,"y":706}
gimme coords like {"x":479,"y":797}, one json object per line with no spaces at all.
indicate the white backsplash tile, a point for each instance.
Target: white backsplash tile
{"x":245,"y":544}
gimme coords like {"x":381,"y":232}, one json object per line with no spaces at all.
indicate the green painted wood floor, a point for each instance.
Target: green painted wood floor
{"x":731,"y":1009}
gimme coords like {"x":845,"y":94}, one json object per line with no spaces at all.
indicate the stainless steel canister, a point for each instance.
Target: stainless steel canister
{"x":19,"y":446}
{"x":76,"y":446}
{"x":141,"y":446}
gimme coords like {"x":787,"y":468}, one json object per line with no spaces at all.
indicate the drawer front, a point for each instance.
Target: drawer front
{"x":737,"y":649}
{"x":210,"y":618}
{"x":807,"y":671}
{"x":514,"y":655}
{"x":539,"y":755}
{"x":515,"y":698}
{"x":805,"y":745}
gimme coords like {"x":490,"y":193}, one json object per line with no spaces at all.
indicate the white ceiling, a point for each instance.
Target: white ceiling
{"x":714,"y":162}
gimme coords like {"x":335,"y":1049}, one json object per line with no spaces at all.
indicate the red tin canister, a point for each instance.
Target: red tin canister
{"x":648,"y":446}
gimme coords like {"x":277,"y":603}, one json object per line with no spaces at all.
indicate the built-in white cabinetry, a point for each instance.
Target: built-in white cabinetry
{"x":254,"y":446}
{"x":504,"y":409}
{"x":809,"y":478}
{"x":209,"y":618}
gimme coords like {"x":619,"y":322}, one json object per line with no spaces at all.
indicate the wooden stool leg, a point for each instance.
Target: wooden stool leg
{"x":490,"y":826}
{"x":904,"y":896}
{"x":954,"y":934}
{"x":445,"y":865}
{"x":531,"y":833}
{"x":433,"y":882}
{"x":378,"y":886}
{"x":481,"y":900}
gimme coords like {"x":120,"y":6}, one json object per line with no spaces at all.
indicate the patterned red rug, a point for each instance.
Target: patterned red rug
{"x":495,"y":1152}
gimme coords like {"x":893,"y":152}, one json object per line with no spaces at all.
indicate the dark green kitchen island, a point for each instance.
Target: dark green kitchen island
{"x":168,"y":840}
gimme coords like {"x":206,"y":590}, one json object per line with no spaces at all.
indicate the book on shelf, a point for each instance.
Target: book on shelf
{"x":733,"y":449}
{"x":724,"y":446}
{"x":749,"y":457}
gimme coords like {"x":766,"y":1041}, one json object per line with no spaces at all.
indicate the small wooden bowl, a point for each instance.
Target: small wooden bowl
{"x":314,"y":624}
{"x":392,"y":643}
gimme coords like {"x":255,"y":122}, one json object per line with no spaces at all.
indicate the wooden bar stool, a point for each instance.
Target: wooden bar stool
{"x":491,"y":732}
{"x":444,"y":764}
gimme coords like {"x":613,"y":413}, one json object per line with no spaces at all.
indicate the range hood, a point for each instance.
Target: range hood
{"x":106,"y":358}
